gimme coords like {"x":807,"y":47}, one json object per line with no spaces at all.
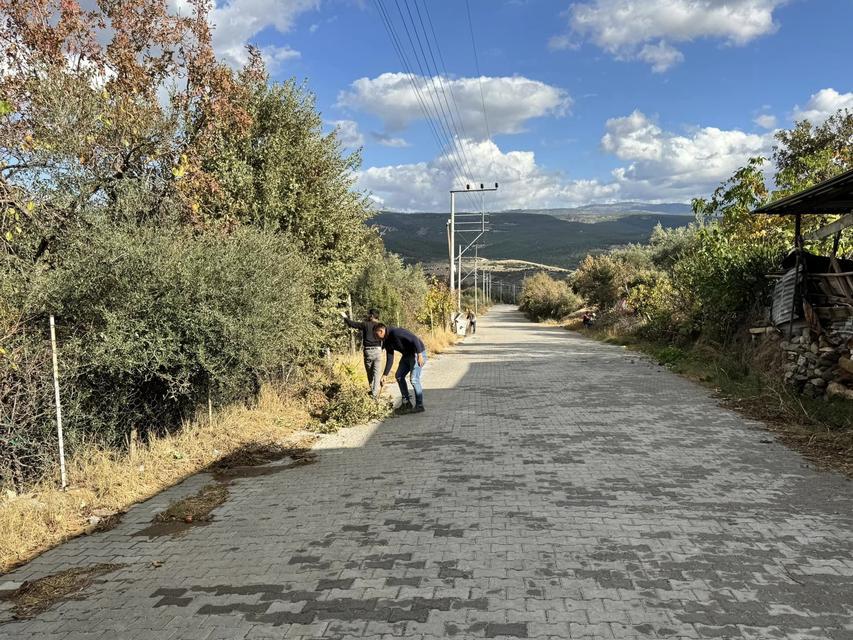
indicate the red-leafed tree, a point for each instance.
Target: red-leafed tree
{"x":100,"y":105}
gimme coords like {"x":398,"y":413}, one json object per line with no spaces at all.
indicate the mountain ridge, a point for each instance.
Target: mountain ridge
{"x":626,"y":207}
{"x":543,"y":238}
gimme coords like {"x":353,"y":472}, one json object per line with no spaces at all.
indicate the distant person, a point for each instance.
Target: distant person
{"x":587,"y":320}
{"x":413,"y":357}
{"x":472,"y":321}
{"x":372,"y":348}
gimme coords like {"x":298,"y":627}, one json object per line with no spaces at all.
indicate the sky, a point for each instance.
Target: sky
{"x":585,"y":102}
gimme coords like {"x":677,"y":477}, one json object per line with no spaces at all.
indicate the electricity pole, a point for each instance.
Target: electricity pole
{"x":476,"y":259}
{"x":459,"y":288}
{"x":464,"y":227}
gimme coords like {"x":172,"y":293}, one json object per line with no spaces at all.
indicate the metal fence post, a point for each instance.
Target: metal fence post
{"x":58,"y":404}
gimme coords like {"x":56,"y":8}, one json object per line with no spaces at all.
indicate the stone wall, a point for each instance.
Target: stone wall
{"x":819,"y":366}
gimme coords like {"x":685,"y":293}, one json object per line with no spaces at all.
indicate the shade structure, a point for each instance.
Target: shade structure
{"x":828,"y":197}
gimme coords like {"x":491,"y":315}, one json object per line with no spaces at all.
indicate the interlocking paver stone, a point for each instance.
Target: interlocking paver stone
{"x":555,"y":488}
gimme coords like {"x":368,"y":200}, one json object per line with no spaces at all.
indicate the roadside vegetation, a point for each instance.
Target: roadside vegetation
{"x":194,"y":231}
{"x":689,"y":295}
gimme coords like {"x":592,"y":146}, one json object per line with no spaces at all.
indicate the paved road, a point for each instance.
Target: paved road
{"x":555,"y":488}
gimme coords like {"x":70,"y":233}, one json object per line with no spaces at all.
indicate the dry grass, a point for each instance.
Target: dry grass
{"x":439,"y":340}
{"x":31,"y":598}
{"x":103,"y":481}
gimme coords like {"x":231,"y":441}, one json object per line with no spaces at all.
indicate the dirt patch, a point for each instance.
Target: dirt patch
{"x":196,"y":508}
{"x":256,"y":454}
{"x":189,"y":512}
{"x":251,"y":461}
{"x":263,"y":459}
{"x":106,"y":523}
{"x":35,"y":596}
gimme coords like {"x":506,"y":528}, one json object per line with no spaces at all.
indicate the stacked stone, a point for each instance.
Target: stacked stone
{"x":812,"y":364}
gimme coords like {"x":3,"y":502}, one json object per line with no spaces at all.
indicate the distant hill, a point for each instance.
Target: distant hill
{"x":615,"y":209}
{"x":514,"y":235}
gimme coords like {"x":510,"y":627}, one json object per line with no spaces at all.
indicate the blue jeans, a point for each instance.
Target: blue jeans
{"x":409,"y":365}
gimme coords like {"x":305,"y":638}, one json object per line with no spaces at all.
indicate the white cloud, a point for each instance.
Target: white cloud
{"x":523,"y":183}
{"x":510,"y":101}
{"x":765,"y":121}
{"x":633,"y":137}
{"x":661,"y":56}
{"x":823,"y":104}
{"x":659,"y":165}
{"x":633,"y":30}
{"x":236,"y":22}
{"x":389,"y":141}
{"x":667,"y":165}
{"x":348,"y":133}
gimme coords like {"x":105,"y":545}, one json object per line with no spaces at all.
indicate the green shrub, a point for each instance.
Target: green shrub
{"x":397,"y":290}
{"x":601,"y":280}
{"x":543,"y":297}
{"x":152,"y":321}
{"x":721,"y":281}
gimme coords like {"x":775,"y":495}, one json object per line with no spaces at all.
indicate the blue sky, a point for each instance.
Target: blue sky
{"x":588,"y":101}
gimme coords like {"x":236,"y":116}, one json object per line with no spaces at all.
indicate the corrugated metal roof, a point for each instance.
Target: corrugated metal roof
{"x":830,"y":196}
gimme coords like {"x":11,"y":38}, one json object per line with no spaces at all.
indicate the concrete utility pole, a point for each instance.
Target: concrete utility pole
{"x":464,"y":226}
{"x":476,"y":289}
{"x":459,"y":288}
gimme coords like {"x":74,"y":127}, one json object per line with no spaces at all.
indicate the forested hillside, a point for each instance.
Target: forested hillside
{"x":520,"y":236}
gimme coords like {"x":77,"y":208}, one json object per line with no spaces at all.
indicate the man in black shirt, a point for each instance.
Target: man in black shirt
{"x":372,"y":347}
{"x":413,"y":357}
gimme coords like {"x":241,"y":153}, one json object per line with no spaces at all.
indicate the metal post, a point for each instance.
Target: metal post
{"x":59,"y":434}
{"x":798,"y":247}
{"x":350,"y":331}
{"x":459,"y":283}
{"x":476,"y":259}
{"x":453,"y":280}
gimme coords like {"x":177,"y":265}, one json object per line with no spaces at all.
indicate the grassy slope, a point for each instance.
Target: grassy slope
{"x":521,"y":236}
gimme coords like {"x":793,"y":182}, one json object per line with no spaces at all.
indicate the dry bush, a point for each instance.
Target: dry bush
{"x":439,"y":340}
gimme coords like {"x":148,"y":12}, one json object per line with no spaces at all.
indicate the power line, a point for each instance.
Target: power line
{"x":404,"y":61}
{"x":398,"y":48}
{"x":447,"y":75}
{"x":477,"y":65}
{"x":427,"y":74}
{"x":448,"y":113}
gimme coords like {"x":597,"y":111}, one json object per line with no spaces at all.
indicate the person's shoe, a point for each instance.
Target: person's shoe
{"x":403,"y":409}
{"x":418,"y":409}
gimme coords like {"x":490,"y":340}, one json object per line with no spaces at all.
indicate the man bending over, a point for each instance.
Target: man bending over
{"x":413,"y":357}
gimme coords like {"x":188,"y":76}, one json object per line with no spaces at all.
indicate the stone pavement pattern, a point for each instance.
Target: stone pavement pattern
{"x":555,"y":488}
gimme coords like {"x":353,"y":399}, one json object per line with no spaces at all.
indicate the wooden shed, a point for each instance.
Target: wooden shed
{"x":815,"y":290}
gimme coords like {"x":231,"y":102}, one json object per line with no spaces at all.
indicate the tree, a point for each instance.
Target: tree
{"x":283,"y":172}
{"x":84,"y":119}
{"x":808,"y":154}
{"x":601,"y":280}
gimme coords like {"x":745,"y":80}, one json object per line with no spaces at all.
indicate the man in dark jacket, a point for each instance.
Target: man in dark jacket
{"x":372,"y":347}
{"x":413,"y":357}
